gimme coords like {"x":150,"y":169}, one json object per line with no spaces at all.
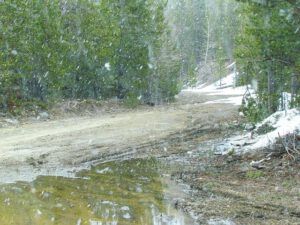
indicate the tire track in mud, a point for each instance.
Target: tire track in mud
{"x":164,"y":147}
{"x":72,"y":142}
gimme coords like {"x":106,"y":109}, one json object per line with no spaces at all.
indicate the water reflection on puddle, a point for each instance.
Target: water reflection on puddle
{"x":128,"y":192}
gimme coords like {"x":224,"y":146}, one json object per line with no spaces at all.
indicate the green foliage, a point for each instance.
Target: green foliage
{"x":131,"y":101}
{"x":254,"y":174}
{"x":188,"y":22}
{"x":253,"y":110}
{"x":203,"y":31}
{"x":267,"y":50}
{"x":82,"y":49}
{"x":231,"y":152}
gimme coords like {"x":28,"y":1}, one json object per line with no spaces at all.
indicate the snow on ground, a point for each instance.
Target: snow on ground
{"x":280,"y":123}
{"x":277,"y":125}
{"x":225,"y":84}
{"x":222,"y":87}
{"x":283,"y":122}
{"x":231,"y":100}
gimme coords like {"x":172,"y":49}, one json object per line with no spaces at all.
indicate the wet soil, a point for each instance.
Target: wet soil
{"x":182,"y":135}
{"x":68,"y":142}
{"x":227,"y":190}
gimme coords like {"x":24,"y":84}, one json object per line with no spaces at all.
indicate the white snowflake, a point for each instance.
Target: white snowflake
{"x":107,"y":66}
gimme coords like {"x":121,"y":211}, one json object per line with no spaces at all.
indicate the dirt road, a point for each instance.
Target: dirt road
{"x":44,"y":147}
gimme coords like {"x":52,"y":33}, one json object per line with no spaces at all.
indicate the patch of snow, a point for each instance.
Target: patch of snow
{"x":59,"y":205}
{"x":231,"y":100}
{"x":14,"y":52}
{"x":225,"y":84}
{"x":201,"y":86}
{"x":150,"y":66}
{"x":220,"y":222}
{"x":241,"y":114}
{"x":7,"y":201}
{"x":224,"y":87}
{"x":138,"y":189}
{"x":228,"y":81}
{"x":104,"y":171}
{"x":125,"y":208}
{"x":108,"y":203}
{"x":230,"y":66}
{"x":38,"y":212}
{"x":283,"y":122}
{"x":12,"y":121}
{"x":94,"y":222}
{"x":107,"y":66}
{"x":126,"y":216}
{"x":43,"y":116}
{"x":223,"y":148}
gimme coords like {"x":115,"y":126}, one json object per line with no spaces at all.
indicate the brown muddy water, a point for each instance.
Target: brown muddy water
{"x":137,"y":191}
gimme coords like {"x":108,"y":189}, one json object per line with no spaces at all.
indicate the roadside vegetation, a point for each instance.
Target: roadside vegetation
{"x":53,"y":50}
{"x":145,"y":52}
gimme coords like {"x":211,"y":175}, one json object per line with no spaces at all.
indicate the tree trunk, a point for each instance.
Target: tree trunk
{"x":121,"y":71}
{"x":294,"y":86}
{"x":272,"y":106}
{"x":208,"y":33}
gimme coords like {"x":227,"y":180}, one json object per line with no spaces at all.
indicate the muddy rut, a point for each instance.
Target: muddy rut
{"x":72,"y":141}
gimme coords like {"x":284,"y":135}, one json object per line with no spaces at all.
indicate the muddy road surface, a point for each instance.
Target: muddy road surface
{"x":136,"y":153}
{"x":54,"y":146}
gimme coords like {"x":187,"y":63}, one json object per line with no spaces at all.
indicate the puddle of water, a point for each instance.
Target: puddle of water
{"x":128,"y":192}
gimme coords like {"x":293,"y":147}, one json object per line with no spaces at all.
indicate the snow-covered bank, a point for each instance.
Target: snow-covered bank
{"x":281,"y":123}
{"x":267,"y":132}
{"x":264,"y":136}
{"x":231,"y":100}
{"x":223,"y":87}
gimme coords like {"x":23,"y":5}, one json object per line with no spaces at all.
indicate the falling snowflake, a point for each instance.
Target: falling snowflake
{"x":14,"y":52}
{"x":107,"y":66}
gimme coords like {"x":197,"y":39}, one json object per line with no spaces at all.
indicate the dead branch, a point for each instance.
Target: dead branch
{"x":290,"y":144}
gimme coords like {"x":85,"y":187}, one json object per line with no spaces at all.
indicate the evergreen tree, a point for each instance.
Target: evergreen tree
{"x":83,"y":49}
{"x":268,"y":50}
